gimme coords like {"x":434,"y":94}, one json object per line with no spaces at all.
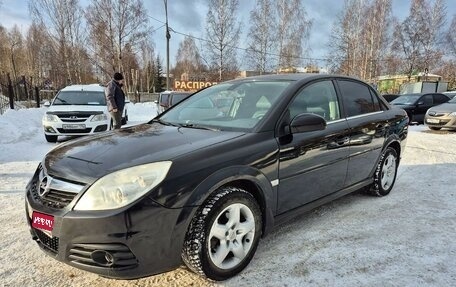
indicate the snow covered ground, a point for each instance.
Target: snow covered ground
{"x":405,"y":239}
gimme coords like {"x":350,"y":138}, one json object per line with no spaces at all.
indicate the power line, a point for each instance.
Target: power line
{"x":247,"y":49}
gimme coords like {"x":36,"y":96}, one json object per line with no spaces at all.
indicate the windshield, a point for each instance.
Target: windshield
{"x":80,"y":98}
{"x":177,"y":98}
{"x":229,"y":106}
{"x":405,"y":100}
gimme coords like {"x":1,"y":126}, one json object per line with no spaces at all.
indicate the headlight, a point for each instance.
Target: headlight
{"x":100,"y":117}
{"x":123,"y":187}
{"x":453,"y":114}
{"x":50,"y":118}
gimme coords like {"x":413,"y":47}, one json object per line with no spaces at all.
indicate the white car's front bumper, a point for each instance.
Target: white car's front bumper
{"x":68,"y":124}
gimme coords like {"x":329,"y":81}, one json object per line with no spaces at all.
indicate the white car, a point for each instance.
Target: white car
{"x":78,"y":110}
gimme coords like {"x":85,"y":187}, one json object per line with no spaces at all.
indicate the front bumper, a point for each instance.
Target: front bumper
{"x":143,"y":240}
{"x":441,"y":121}
{"x":79,"y":128}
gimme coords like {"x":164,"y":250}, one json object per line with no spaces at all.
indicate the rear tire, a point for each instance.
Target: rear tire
{"x":51,"y":139}
{"x":224,"y":234}
{"x":385,"y":173}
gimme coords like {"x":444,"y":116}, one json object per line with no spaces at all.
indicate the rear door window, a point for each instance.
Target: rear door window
{"x":357,"y":98}
{"x":440,"y":99}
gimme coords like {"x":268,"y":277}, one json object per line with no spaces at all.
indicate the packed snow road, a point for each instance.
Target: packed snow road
{"x":404,"y":239}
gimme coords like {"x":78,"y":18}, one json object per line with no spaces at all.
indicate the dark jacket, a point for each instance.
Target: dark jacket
{"x":115,"y":97}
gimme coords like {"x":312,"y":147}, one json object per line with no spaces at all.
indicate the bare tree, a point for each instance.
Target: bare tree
{"x":262,"y":37}
{"x":188,"y":59}
{"x":223,"y":31}
{"x":451,"y":36}
{"x":62,"y":20}
{"x":115,"y":25}
{"x":293,"y":28}
{"x":358,"y":42}
{"x":417,"y":37}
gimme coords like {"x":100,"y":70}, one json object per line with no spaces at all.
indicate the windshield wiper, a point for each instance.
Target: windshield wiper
{"x":193,"y":126}
{"x":160,"y":121}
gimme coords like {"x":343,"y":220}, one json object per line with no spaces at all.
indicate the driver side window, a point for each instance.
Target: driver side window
{"x":318,"y":98}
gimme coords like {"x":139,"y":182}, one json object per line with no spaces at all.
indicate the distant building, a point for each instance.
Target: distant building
{"x":391,"y":84}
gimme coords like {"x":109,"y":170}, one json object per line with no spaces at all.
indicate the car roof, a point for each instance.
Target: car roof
{"x":421,"y":94}
{"x":292,"y":77}
{"x":87,"y":88}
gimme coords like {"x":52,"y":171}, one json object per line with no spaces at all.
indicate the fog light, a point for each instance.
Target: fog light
{"x":49,"y":130}
{"x":103,"y":258}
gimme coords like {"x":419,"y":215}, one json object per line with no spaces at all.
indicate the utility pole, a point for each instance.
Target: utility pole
{"x":168,"y":36}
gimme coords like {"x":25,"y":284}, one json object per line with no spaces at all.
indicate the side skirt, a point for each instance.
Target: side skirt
{"x":286,"y":216}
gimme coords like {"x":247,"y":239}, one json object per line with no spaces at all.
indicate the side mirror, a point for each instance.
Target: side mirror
{"x":420,"y":103}
{"x":47,"y":104}
{"x":307,"y":123}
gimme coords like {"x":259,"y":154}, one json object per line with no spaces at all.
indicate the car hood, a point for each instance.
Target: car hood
{"x":89,"y":158}
{"x":444,"y":108}
{"x":78,"y":108}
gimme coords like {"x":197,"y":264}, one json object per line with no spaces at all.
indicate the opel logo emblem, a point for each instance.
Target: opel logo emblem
{"x":432,"y":113}
{"x":44,"y":187}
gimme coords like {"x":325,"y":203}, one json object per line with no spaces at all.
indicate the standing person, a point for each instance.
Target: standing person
{"x":115,"y":99}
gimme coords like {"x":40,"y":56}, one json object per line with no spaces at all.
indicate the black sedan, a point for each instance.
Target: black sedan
{"x":204,"y":181}
{"x":416,"y":105}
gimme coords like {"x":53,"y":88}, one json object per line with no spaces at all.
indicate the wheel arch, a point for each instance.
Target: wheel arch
{"x":248,"y":178}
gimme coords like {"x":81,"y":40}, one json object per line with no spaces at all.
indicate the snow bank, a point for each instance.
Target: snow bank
{"x":22,"y":136}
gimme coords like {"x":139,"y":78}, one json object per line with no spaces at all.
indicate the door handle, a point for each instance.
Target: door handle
{"x":343,"y":141}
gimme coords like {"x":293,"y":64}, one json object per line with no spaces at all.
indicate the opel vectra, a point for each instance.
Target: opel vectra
{"x":205,"y":180}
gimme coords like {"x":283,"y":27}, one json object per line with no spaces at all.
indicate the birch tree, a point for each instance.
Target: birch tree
{"x":262,"y":37}
{"x":115,"y":25}
{"x":417,"y":37}
{"x":188,"y":58}
{"x":222,"y":31}
{"x":62,"y":20}
{"x":293,"y":28}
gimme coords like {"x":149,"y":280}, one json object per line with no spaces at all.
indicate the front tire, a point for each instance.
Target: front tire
{"x":224,"y":234}
{"x":386,"y":172}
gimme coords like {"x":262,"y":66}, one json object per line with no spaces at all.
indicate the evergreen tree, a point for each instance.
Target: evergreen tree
{"x":159,"y":79}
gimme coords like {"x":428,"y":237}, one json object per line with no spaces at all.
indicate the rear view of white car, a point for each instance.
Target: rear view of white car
{"x":77,"y":110}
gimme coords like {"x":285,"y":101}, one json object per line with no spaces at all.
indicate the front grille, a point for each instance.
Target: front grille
{"x":52,"y":192}
{"x":54,"y":198}
{"x":120,"y":255}
{"x":50,"y":243}
{"x":75,"y":131}
{"x":74,"y":117}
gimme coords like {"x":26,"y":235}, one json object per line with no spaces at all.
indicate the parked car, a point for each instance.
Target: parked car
{"x":202,"y":183}
{"x":416,"y":105}
{"x":442,"y":116}
{"x":390,"y":97}
{"x":167,"y":99}
{"x":450,"y":94}
{"x":78,"y":110}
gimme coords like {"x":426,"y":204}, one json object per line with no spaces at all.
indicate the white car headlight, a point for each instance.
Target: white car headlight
{"x":122,"y":187}
{"x":453,"y":114}
{"x":50,"y":118}
{"x":99,"y":118}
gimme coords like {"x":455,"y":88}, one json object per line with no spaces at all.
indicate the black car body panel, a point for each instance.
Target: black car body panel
{"x":286,"y":173}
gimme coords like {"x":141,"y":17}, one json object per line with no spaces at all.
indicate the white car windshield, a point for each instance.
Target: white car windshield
{"x":227,"y":106}
{"x":80,"y":98}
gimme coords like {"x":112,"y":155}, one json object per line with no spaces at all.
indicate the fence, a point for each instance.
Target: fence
{"x":22,"y":94}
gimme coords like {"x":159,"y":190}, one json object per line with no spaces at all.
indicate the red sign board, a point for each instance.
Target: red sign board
{"x":42,"y":221}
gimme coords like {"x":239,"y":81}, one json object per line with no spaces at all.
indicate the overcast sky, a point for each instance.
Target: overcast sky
{"x":188,"y":16}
